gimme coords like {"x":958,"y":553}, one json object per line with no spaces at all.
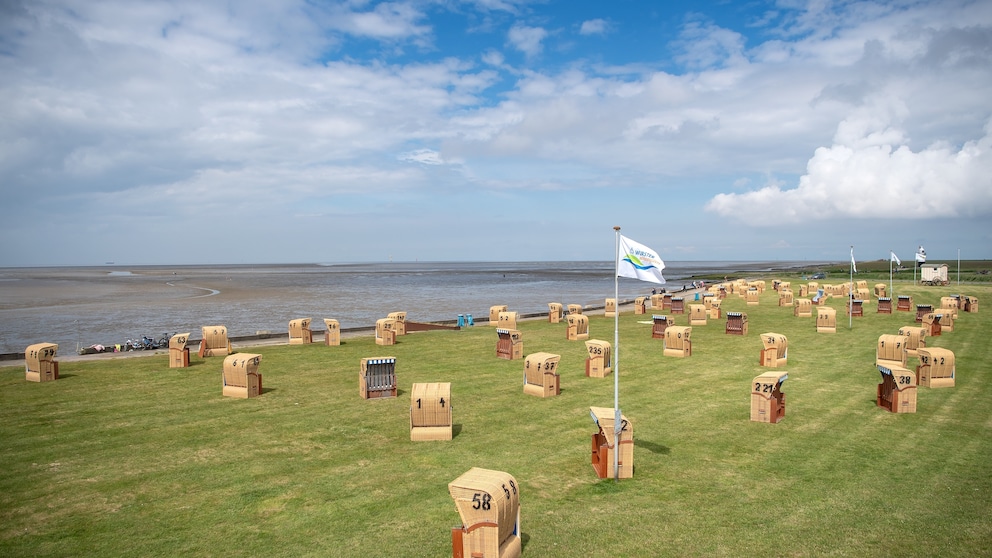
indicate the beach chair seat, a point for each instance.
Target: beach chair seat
{"x":610,"y":308}
{"x":506,"y":320}
{"x":332,"y":336}
{"x":214,"y":341}
{"x":430,"y":412}
{"x":897,"y":391}
{"x":915,"y":339}
{"x":936,"y":368}
{"x":774,"y":351}
{"x":697,"y":315}
{"x":659,"y":324}
{"x":578,"y":327}
{"x":736,"y":323}
{"x":884,"y":305}
{"x":241,"y":377}
{"x":855,"y":308}
{"x":826,"y":320}
{"x":606,"y":446}
{"x":922,"y":310}
{"x":178,"y":351}
{"x":640,"y":305}
{"x":40,"y":364}
{"x":891,"y":351}
{"x":399,"y":325}
{"x":300,"y":332}
{"x":678,"y":342}
{"x":488,"y":503}
{"x":678,"y":305}
{"x":904,"y":303}
{"x":494,"y":313}
{"x":385,"y":331}
{"x":509,"y":344}
{"x":767,"y":399}
{"x":541,"y":376}
{"x":574,"y":308}
{"x":377,"y":377}
{"x":598,"y":363}
{"x":555,"y":312}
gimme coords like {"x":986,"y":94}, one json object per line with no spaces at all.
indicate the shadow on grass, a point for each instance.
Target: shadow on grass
{"x":456,"y":429}
{"x":652,"y":447}
{"x":524,"y":539}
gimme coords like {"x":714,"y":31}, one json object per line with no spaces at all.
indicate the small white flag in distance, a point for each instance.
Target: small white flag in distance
{"x":637,"y":261}
{"x":894,"y":258}
{"x":854,"y":266}
{"x":921,"y":255}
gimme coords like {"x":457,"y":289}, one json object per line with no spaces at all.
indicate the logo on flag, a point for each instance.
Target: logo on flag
{"x":921,"y":255}
{"x":894,"y":258}
{"x":637,"y":261}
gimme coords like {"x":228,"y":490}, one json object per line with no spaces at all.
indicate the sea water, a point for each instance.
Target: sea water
{"x":81,"y":306}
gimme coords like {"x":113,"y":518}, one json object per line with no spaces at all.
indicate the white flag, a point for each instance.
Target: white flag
{"x":894,"y":258}
{"x":854,"y":266}
{"x":637,"y":261}
{"x":921,"y":255}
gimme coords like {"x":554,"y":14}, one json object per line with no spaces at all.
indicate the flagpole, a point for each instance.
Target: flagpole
{"x":850,"y":297}
{"x":891,"y":293}
{"x":616,"y":358}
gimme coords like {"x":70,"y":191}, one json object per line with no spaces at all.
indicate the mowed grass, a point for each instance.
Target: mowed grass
{"x":130,"y":457}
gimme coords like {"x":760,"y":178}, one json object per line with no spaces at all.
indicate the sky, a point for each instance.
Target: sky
{"x":207,"y":132}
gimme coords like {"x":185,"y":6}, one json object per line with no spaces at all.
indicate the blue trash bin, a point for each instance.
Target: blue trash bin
{"x":697,"y":296}
{"x":469,"y":318}
{"x":461,"y":320}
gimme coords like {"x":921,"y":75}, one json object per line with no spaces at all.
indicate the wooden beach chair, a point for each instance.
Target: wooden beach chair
{"x":605,"y":443}
{"x":678,"y":342}
{"x":214,"y":341}
{"x":509,"y":344}
{"x":598,"y":363}
{"x":541,"y":376}
{"x":332,"y":336}
{"x":767,"y":399}
{"x":936,"y":368}
{"x":774,"y":351}
{"x":897,"y":391}
{"x":178,"y":351}
{"x":241,"y":376}
{"x":40,"y":364}
{"x":299,"y":331}
{"x":430,"y":412}
{"x":488,"y":503}
{"x":377,"y":377}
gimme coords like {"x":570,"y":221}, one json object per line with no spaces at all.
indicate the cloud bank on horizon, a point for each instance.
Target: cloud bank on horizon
{"x":209,"y":132}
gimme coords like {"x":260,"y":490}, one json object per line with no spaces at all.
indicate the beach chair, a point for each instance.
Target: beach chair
{"x":658,"y":301}
{"x":178,"y":351}
{"x":915,"y":339}
{"x":541,"y":375}
{"x":214,"y":341}
{"x":802,"y":308}
{"x":855,"y":308}
{"x":578,"y":327}
{"x":697,"y":314}
{"x":241,"y":376}
{"x":640,"y":305}
{"x":904,"y":303}
{"x":574,"y":308}
{"x":922,"y":310}
{"x":936,"y":368}
{"x":666,"y":301}
{"x":605,"y":443}
{"x":774,"y":351}
{"x":506,"y":320}
{"x":884,"y":305}
{"x":430,"y":412}
{"x":555,"y":312}
{"x":891,"y":351}
{"x":332,"y":337}
{"x":826,"y":320}
{"x":897,"y":391}
{"x":767,"y":399}
{"x":715,"y":309}
{"x":971,"y":304}
{"x":678,"y":342}
{"x":377,"y":377}
{"x":40,"y":364}
{"x":881,"y":290}
{"x":678,"y":305}
{"x":494,"y":313}
{"x":598,"y":363}
{"x":785,"y":297}
{"x":659,"y":324}
{"x":385,"y":331}
{"x":819,"y":298}
{"x":509,"y":344}
{"x":736,"y":323}
{"x":299,"y":332}
{"x":751,"y":297}
{"x":931,"y":323}
{"x":610,"y":308}
{"x":488,"y":503}
{"x":400,"y":322}
{"x":946,"y":321}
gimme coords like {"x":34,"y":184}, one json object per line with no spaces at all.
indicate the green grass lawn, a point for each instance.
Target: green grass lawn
{"x":129,"y":457}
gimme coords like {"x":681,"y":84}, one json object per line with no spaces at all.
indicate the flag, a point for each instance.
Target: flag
{"x":894,"y":258}
{"x":921,"y":255}
{"x":637,"y":261}
{"x":854,"y":266}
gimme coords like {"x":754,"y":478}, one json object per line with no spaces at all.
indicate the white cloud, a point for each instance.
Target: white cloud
{"x":527,"y":39}
{"x":594,"y":27}
{"x":423,"y":156}
{"x":864,"y":176}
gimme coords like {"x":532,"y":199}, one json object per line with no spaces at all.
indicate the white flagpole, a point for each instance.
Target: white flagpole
{"x":616,"y":358}
{"x":850,"y":298}
{"x":891,"y":293}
